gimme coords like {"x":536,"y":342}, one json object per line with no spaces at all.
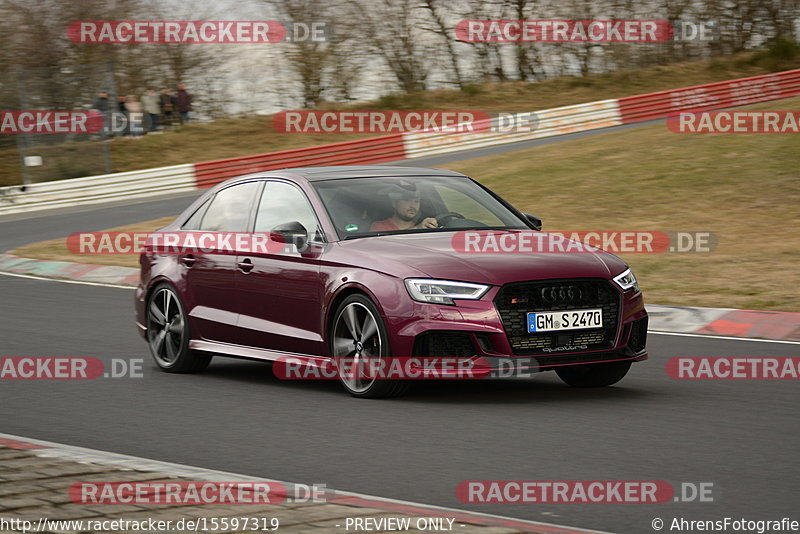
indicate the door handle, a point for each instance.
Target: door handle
{"x":188,"y":260}
{"x":245,"y":265}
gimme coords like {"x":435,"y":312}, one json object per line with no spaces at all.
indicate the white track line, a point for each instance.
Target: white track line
{"x":657,"y":332}
{"x":727,"y":338}
{"x":34,"y":277}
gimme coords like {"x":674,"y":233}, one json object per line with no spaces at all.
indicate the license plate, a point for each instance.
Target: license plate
{"x":564,"y":320}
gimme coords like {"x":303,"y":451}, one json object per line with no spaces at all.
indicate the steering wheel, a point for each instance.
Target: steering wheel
{"x":444,"y":218}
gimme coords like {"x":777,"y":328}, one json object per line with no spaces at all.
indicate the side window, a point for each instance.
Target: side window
{"x":193,"y":222}
{"x":230,"y":209}
{"x":282,"y":203}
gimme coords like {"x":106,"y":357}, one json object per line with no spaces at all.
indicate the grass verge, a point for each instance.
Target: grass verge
{"x":745,"y":188}
{"x":56,"y":249}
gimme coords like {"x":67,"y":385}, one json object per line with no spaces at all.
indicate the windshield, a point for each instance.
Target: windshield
{"x":361,"y":207}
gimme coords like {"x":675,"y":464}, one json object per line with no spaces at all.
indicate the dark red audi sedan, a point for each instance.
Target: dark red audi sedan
{"x":382,"y":262}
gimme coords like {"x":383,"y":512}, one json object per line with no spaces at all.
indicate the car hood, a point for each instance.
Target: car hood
{"x":433,"y":255}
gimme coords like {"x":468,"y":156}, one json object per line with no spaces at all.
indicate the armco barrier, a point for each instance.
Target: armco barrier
{"x":718,"y":95}
{"x":551,"y":122}
{"x":98,"y":189}
{"x":371,"y":150}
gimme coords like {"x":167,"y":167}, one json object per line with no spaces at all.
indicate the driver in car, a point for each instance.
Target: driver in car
{"x":405,"y":201}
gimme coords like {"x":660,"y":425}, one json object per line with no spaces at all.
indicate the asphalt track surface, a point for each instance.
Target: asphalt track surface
{"x":739,"y":435}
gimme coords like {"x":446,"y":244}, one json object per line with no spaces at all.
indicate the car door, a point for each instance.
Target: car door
{"x":211,"y":297}
{"x":280,"y":289}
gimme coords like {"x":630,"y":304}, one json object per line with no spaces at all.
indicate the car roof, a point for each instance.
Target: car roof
{"x":335,"y":172}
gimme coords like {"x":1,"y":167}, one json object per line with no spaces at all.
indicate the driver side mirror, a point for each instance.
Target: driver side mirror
{"x":535,"y":221}
{"x":293,"y":232}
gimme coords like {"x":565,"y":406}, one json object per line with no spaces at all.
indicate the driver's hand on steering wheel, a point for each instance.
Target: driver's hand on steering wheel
{"x":430,"y":222}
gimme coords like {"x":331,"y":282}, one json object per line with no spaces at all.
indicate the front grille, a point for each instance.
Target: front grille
{"x":444,"y":344}
{"x":638,"y":338}
{"x":515,"y":300}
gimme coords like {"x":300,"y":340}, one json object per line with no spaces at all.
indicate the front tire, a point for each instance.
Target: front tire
{"x":358,"y":332}
{"x":593,"y":375}
{"x":168,"y":334}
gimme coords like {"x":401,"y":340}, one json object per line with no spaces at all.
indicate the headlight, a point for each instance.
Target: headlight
{"x":443,"y":291}
{"x":627,"y":281}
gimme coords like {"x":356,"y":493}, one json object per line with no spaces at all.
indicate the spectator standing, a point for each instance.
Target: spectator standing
{"x":151,"y":104}
{"x":135,"y":115}
{"x":123,"y":111}
{"x":167,"y":106}
{"x":102,"y":104}
{"x":183,"y":102}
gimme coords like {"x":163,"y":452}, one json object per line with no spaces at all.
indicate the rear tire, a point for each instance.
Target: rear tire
{"x":593,"y":375}
{"x":358,"y":331}
{"x":168,"y":333}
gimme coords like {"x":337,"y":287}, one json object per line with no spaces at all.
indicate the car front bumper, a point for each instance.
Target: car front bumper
{"x":475,"y":328}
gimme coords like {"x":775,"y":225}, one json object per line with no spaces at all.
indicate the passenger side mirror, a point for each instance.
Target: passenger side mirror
{"x":293,"y":232}
{"x":535,"y":221}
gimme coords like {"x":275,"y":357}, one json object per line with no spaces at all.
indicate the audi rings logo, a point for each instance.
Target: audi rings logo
{"x":560,"y":294}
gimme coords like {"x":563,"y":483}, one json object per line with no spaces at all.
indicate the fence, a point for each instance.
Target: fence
{"x":62,"y":155}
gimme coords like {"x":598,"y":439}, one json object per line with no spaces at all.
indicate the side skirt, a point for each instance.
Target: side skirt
{"x":252,"y":353}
